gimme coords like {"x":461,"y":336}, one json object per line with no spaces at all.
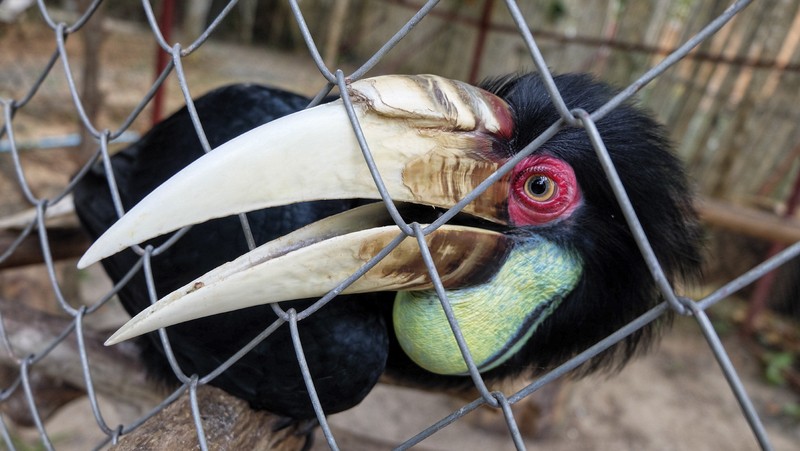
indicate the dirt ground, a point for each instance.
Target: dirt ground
{"x":675,"y":398}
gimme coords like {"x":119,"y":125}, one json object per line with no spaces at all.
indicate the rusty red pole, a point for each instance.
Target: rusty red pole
{"x":483,"y":31}
{"x":165,"y":24}
{"x":763,"y":288}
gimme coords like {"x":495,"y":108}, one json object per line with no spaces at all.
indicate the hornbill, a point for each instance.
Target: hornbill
{"x":540,"y":266}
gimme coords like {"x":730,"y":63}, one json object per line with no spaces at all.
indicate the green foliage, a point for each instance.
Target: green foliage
{"x":791,"y":409}
{"x":556,"y":10}
{"x":776,"y":364}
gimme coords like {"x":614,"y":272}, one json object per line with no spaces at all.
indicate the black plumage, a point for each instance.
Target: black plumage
{"x":345,"y":365}
{"x":349,"y":344}
{"x":617,"y":285}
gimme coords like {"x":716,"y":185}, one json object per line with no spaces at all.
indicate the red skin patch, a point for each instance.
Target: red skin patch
{"x":524,"y":209}
{"x":503,"y":116}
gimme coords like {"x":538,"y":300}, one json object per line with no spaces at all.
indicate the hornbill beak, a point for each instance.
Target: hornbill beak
{"x":432,"y":140}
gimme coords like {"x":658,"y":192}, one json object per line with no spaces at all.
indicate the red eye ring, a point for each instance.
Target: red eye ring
{"x":543,"y":189}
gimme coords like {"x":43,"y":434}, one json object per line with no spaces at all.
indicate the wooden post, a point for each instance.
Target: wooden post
{"x":92,"y":37}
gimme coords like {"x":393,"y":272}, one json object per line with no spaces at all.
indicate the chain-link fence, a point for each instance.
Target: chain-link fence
{"x":75,"y":330}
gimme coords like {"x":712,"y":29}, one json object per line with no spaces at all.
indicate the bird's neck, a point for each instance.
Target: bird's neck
{"x":496,"y":318}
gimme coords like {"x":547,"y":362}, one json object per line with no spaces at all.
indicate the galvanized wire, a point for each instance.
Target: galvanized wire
{"x":291,"y":318}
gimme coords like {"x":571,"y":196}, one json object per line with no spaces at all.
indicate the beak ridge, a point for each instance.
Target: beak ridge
{"x":418,"y":128}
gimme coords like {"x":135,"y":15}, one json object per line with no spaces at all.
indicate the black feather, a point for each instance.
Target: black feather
{"x":617,"y":286}
{"x":346,"y":365}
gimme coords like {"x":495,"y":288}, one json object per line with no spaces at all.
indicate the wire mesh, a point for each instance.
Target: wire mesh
{"x":336,"y":77}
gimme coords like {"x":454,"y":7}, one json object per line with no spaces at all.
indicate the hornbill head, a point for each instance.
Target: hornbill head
{"x":539,"y":266}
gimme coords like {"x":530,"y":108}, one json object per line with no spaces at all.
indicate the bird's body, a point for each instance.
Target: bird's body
{"x":563,"y":255}
{"x":269,"y":376}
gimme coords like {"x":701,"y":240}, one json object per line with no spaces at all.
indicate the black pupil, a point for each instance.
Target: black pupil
{"x":538,"y":185}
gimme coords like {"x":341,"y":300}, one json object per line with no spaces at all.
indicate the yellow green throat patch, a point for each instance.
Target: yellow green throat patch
{"x":496,"y":318}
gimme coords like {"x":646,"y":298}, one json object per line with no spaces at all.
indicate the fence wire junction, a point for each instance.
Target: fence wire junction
{"x":336,"y":78}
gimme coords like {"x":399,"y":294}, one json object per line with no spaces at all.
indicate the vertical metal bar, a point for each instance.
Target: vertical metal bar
{"x":6,"y":436}
{"x":37,"y":419}
{"x":87,"y":373}
{"x":731,"y":376}
{"x":627,"y":209}
{"x":312,"y":391}
{"x":198,"y":420}
{"x":373,"y":168}
{"x":511,"y":423}
{"x":162,"y":58}
{"x":480,"y":385}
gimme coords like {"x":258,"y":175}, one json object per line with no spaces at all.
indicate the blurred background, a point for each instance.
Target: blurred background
{"x":731,"y":106}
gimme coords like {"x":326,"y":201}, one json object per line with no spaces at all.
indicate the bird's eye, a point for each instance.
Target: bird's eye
{"x":540,"y":188}
{"x":543,"y":189}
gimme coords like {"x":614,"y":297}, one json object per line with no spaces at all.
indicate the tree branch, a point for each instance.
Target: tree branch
{"x":116,"y":371}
